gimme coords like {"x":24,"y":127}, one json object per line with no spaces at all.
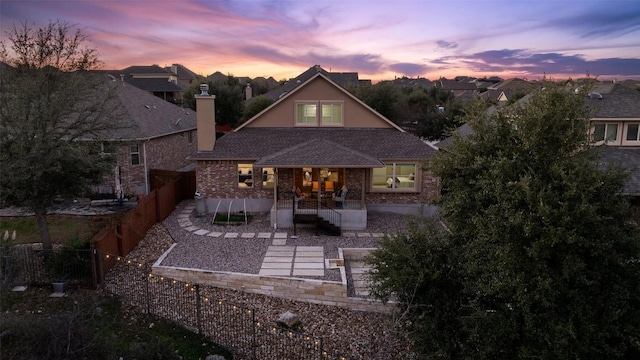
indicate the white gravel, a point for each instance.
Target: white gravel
{"x":245,"y":255}
{"x":353,"y":334}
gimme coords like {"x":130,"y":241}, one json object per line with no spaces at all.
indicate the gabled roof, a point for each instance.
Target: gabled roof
{"x":447,"y":84}
{"x":310,"y":76}
{"x":342,"y":79}
{"x":319,"y":153}
{"x":412,"y":83}
{"x":146,"y":69}
{"x":620,"y":102}
{"x":153,"y":84}
{"x":514,"y":84}
{"x":150,"y":116}
{"x":354,"y":147}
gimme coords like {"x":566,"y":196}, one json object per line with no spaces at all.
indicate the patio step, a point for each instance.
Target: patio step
{"x":328,"y":227}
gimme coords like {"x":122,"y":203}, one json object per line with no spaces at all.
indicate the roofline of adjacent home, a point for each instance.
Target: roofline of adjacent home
{"x":142,"y":138}
{"x":290,"y":93}
{"x":616,"y":119}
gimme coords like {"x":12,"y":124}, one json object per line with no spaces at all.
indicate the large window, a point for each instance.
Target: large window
{"x":330,"y":113}
{"x":135,"y":154}
{"x":245,"y":175}
{"x":605,"y":132}
{"x":395,"y":176}
{"x":633,"y":132}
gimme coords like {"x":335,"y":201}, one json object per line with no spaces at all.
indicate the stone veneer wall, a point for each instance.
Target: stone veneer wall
{"x":329,"y":293}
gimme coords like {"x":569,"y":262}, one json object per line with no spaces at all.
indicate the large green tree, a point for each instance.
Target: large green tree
{"x":547,"y":259}
{"x":229,"y":99}
{"x":52,"y":106}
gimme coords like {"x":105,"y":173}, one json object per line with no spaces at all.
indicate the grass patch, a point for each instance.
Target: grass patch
{"x":87,"y":324}
{"x":62,"y":228}
{"x":232,"y":219}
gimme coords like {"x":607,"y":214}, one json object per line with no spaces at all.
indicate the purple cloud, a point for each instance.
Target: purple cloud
{"x":446,"y":44}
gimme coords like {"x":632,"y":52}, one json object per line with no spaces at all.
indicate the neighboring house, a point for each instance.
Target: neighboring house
{"x":616,"y":123}
{"x":185,"y":77}
{"x":458,"y":88}
{"x":405,"y":82}
{"x":317,"y":137}
{"x":344,"y":80}
{"x":515,"y":84}
{"x":153,"y":79}
{"x":615,"y":126}
{"x":162,"y":135}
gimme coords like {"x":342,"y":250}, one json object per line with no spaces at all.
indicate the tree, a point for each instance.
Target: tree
{"x":254,"y":106}
{"x":229,"y":100}
{"x":52,"y":107}
{"x":548,"y":260}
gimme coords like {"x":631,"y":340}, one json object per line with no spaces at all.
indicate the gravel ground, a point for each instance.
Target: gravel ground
{"x":245,"y":255}
{"x":353,"y":334}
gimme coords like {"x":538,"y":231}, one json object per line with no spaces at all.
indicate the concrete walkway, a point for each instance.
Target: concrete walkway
{"x":283,"y":260}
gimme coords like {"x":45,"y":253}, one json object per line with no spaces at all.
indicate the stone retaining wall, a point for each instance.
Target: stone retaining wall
{"x":322,"y":292}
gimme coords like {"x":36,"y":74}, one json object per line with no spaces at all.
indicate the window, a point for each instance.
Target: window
{"x":135,"y":154}
{"x":330,"y":113}
{"x":395,"y":176}
{"x":605,"y":132}
{"x":245,"y":175}
{"x":107,"y":148}
{"x":268,"y":179}
{"x":633,"y":133}
{"x":190,"y":136}
{"x":306,"y":114}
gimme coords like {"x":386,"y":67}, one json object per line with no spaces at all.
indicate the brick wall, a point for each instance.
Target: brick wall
{"x":165,"y":153}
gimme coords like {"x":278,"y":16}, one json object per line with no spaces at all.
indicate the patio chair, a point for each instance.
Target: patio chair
{"x":297,"y":196}
{"x":340,"y":197}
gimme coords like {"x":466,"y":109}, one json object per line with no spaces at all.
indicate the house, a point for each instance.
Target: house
{"x":317,"y":137}
{"x":616,"y":125}
{"x":153,"y":79}
{"x":184,"y":77}
{"x":162,"y":136}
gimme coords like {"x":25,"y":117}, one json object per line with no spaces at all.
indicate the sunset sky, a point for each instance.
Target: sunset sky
{"x":378,"y":39}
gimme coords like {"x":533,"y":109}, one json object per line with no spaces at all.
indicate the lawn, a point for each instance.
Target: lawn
{"x":87,"y":324}
{"x":62,"y":228}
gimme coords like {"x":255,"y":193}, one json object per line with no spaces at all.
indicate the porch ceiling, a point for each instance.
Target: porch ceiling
{"x":319,"y":153}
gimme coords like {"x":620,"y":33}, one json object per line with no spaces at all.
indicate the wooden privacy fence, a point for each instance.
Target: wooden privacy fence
{"x":121,"y":238}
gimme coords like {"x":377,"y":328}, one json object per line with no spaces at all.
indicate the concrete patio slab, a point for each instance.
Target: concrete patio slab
{"x":201,"y":232}
{"x":306,"y":265}
{"x":273,"y":265}
{"x":277,"y":259}
{"x":264,"y":235}
{"x":275,"y":272}
{"x":280,"y":235}
{"x":279,"y":242}
{"x":349,"y":234}
{"x":214,"y":234}
{"x":248,"y":235}
{"x":308,"y":272}
{"x":231,"y":235}
{"x":192,"y":228}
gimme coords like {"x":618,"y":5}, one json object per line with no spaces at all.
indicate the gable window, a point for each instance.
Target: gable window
{"x":107,"y":147}
{"x":135,"y":154}
{"x":190,"y":136}
{"x":306,"y":114}
{"x":245,"y":175}
{"x":394,"y":177}
{"x":605,"y":132}
{"x":633,"y":132}
{"x":331,"y":114}
{"x":323,"y":113}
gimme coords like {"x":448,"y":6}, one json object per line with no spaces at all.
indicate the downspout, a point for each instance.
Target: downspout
{"x":146,"y":175}
{"x":275,"y":198}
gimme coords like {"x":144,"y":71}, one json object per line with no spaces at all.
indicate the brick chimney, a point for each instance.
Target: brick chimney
{"x":206,"y":119}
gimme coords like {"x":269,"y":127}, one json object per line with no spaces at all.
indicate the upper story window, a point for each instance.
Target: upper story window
{"x":306,"y":114}
{"x":135,"y":154}
{"x":633,"y":132}
{"x":394,"y":177}
{"x":319,"y":113}
{"x":605,"y":132}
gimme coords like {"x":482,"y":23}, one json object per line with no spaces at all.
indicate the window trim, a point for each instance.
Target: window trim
{"x":132,"y":153}
{"x":250,"y":174}
{"x":319,"y":117}
{"x":606,"y":124}
{"x":625,"y":134}
{"x":416,"y":180}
